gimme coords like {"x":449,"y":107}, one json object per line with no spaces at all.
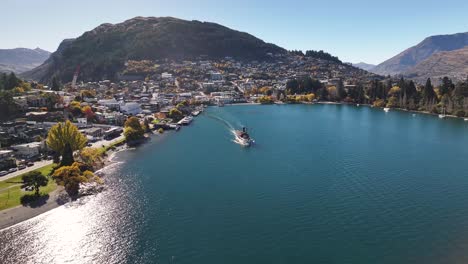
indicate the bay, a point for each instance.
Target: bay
{"x":322,"y":184}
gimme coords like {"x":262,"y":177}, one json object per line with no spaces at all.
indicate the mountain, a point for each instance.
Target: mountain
{"x":20,"y":59}
{"x":453,"y":64}
{"x":103,"y":51}
{"x":416,"y":54}
{"x":364,"y":66}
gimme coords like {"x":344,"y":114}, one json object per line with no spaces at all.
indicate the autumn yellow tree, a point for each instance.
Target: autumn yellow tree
{"x":133,"y":129}
{"x":265,"y":90}
{"x":92,"y":157}
{"x":72,"y":176}
{"x":64,"y":139}
{"x":310,"y":97}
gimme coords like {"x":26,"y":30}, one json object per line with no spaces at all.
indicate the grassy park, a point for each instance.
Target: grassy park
{"x":11,"y":192}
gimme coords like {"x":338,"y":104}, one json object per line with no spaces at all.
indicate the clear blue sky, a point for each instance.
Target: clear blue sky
{"x":355,"y":30}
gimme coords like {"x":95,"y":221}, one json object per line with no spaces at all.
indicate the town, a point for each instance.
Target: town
{"x":164,"y":95}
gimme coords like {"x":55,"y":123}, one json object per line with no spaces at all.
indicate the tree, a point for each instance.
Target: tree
{"x":265,"y":100}
{"x":175,"y":114}
{"x":91,"y":156}
{"x":428,"y":93}
{"x":88,"y":94}
{"x":88,"y":112}
{"x":446,"y":87}
{"x":322,"y":55}
{"x":75,"y":108}
{"x":133,"y":129}
{"x":146,"y":126}
{"x":72,"y":176}
{"x":55,"y":84}
{"x":12,"y":81}
{"x":341,"y":92}
{"x":64,"y":139}
{"x":35,"y":180}
{"x":8,"y":107}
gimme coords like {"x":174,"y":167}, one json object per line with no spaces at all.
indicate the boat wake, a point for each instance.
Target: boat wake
{"x":223,"y":121}
{"x":239,"y":141}
{"x":231,"y":129}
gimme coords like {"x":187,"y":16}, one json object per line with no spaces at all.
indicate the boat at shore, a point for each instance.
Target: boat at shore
{"x":185,"y":121}
{"x":443,"y":114}
{"x":386,"y":109}
{"x":243,"y":138}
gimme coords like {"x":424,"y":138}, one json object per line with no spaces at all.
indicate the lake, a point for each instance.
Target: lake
{"x":322,"y":184}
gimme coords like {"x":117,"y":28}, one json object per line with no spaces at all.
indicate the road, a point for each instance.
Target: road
{"x":42,"y":163}
{"x":37,"y":165}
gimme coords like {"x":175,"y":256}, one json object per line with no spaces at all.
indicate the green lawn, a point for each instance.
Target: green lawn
{"x":10,"y":190}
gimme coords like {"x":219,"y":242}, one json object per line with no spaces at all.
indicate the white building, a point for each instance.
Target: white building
{"x":166,"y":75}
{"x":130,"y":108}
{"x":216,"y":76}
{"x":110,"y":103}
{"x":28,"y":150}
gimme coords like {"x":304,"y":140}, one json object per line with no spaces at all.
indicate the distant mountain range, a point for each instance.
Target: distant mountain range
{"x":103,"y":51}
{"x":453,"y":64}
{"x":364,"y":66}
{"x":433,"y":57}
{"x":21,"y":59}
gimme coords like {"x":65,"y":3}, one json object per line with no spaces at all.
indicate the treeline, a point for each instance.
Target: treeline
{"x":9,"y":86}
{"x":9,"y":81}
{"x":316,"y":55}
{"x":404,"y":94}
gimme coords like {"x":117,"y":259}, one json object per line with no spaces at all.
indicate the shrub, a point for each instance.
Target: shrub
{"x":379,"y":103}
{"x":460,"y":113}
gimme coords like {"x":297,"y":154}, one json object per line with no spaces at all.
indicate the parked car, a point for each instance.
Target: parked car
{"x":3,"y":173}
{"x":12,"y":170}
{"x":21,"y":167}
{"x":30,"y":164}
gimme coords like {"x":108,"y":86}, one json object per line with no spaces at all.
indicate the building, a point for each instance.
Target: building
{"x":166,"y":75}
{"x":216,"y":76}
{"x":6,"y":159}
{"x":94,"y":132}
{"x":112,"y":104}
{"x":113,"y":132}
{"x":28,"y":150}
{"x":114,"y":118}
{"x":130,"y":108}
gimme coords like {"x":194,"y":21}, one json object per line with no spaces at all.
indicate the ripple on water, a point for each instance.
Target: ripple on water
{"x":333,"y":185}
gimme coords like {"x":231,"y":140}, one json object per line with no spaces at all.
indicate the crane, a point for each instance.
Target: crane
{"x":75,"y":77}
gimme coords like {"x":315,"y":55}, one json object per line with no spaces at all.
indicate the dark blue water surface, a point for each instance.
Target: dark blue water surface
{"x":322,"y":184}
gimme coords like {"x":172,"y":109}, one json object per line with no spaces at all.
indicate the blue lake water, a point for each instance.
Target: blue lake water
{"x":322,"y":184}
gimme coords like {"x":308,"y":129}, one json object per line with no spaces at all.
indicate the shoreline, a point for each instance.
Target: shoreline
{"x":16,"y":215}
{"x":13,"y":216}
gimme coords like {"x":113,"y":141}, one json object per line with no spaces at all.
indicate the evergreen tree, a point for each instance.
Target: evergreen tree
{"x":56,"y":86}
{"x":3,"y":81}
{"x":428,"y":94}
{"x":446,"y":87}
{"x":411,"y":90}
{"x":340,"y":90}
{"x":12,"y":81}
